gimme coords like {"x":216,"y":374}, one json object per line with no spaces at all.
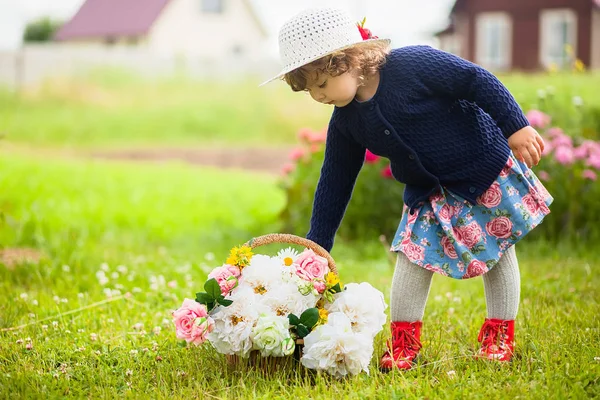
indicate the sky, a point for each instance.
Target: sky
{"x":403,"y":21}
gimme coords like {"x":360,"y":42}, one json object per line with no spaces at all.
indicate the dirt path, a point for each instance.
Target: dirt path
{"x":259,"y":159}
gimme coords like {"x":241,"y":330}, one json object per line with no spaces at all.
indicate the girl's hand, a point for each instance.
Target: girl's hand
{"x":527,"y":145}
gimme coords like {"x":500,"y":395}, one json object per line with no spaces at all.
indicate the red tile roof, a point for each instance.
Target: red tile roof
{"x":112,"y":18}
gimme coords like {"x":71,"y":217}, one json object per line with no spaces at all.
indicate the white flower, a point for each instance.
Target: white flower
{"x":263,"y":274}
{"x":233,"y":324}
{"x":269,"y":333}
{"x":288,"y":256}
{"x":285,"y":299}
{"x":336,"y":349}
{"x":577,"y":101}
{"x":363,"y":305}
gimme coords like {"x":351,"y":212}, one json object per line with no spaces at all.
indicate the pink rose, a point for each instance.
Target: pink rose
{"x":192,"y":322}
{"x":226,"y":276}
{"x":500,"y":227}
{"x":507,"y":168}
{"x":448,"y":247}
{"x":531,"y":204}
{"x":491,"y":197}
{"x":475,"y":268}
{"x":319,"y":286}
{"x":414,"y":252}
{"x":457,"y":234}
{"x":411,"y":217}
{"x":436,"y":198}
{"x":446,"y":212}
{"x":310,"y":266}
{"x":471,"y":234}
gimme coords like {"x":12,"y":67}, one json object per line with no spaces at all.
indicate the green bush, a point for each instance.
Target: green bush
{"x":41,"y":30}
{"x":376,"y":205}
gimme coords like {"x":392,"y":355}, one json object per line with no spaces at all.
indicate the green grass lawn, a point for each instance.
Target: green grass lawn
{"x":155,"y":231}
{"x":116,"y":109}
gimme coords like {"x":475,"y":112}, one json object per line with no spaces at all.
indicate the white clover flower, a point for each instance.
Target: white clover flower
{"x":577,"y":101}
{"x":363,"y":305}
{"x":66,"y":268}
{"x":336,"y":349}
{"x":122,"y":269}
{"x":269,"y":333}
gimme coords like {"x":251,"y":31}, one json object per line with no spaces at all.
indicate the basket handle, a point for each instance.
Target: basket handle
{"x":293,"y":239}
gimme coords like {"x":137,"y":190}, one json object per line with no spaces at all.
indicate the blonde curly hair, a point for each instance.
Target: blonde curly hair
{"x":366,"y":58}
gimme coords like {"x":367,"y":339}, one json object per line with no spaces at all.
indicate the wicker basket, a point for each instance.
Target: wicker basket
{"x":255,"y":359}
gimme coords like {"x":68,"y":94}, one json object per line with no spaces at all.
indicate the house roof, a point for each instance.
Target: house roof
{"x":120,"y":18}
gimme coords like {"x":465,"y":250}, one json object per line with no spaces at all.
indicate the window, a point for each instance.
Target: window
{"x":212,"y":6}
{"x":494,"y":41}
{"x":558,"y":37}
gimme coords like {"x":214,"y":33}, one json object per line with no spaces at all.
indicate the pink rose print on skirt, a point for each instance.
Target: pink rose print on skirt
{"x":464,"y":238}
{"x":475,"y":268}
{"x":445,"y":213}
{"x":448,"y":247}
{"x":491,"y":197}
{"x":500,"y":227}
{"x":414,"y":252}
{"x":507,"y":168}
{"x":470,"y":234}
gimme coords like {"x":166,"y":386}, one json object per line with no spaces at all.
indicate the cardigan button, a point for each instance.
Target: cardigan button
{"x":472,"y":189}
{"x":411,"y":156}
{"x":387,"y":132}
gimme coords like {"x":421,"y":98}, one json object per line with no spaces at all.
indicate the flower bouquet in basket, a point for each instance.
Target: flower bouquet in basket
{"x":257,"y":305}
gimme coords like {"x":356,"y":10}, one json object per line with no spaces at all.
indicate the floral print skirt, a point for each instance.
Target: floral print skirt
{"x":451,"y":236}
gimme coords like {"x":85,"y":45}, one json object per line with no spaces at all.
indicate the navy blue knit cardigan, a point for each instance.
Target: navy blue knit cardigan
{"x":439,"y":119}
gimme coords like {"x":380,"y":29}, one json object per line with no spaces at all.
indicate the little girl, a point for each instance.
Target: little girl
{"x":454,"y":136}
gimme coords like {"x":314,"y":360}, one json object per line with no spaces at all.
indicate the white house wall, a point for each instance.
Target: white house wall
{"x":183,"y":29}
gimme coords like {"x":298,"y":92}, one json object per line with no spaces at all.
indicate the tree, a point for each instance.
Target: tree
{"x":41,"y":30}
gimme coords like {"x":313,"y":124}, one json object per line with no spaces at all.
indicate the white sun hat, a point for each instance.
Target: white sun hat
{"x":315,"y":33}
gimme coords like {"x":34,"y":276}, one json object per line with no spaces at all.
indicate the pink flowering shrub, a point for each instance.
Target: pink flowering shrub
{"x":376,"y":205}
{"x":569,"y":170}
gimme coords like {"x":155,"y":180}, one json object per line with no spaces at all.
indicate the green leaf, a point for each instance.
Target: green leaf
{"x":225,"y":302}
{"x":294,"y":320}
{"x":336,"y":288}
{"x":302,"y":331}
{"x":310,"y":317}
{"x":204,"y":298}
{"x":466,"y":257}
{"x":212,"y":288}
